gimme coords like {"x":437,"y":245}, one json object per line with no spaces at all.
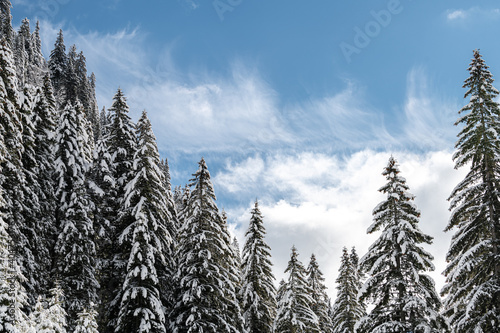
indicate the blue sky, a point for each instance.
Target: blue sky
{"x":297,"y":103}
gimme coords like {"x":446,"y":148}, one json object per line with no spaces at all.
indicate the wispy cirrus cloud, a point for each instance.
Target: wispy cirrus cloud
{"x":428,"y":117}
{"x":193,"y":112}
{"x":340,"y":121}
{"x":239,"y":112}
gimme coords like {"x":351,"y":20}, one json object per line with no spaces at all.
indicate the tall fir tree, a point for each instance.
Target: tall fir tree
{"x":403,"y":296}
{"x":31,"y":208}
{"x":258,"y":294}
{"x":30,"y":63}
{"x":472,"y":287}
{"x":316,"y":283}
{"x":71,"y":86}
{"x":166,"y":170}
{"x":232,"y":265}
{"x":347,"y":309}
{"x":102,"y":186}
{"x":44,"y":121}
{"x":294,"y":312}
{"x":58,"y":62}
{"x":84,"y":88}
{"x":95,"y":116}
{"x":121,"y":146}
{"x":75,"y":247}
{"x":13,"y":177}
{"x":166,"y":275}
{"x":22,"y":49}
{"x":206,"y":294}
{"x":39,"y":61}
{"x":147,"y":236}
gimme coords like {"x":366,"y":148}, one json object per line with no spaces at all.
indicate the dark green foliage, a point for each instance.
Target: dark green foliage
{"x":6,"y":30}
{"x":473,"y":271}
{"x":45,"y":127}
{"x":316,"y":283}
{"x":294,"y":313}
{"x":75,"y":250}
{"x":147,"y":236}
{"x":206,"y":299}
{"x":58,"y":62}
{"x":258,"y":292}
{"x":347,"y":309}
{"x":403,"y":296}
{"x":121,"y":144}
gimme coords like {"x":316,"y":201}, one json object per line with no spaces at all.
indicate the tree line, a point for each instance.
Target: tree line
{"x":94,"y":239}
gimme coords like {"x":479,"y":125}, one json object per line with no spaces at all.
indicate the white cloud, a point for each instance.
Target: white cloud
{"x":321,"y":203}
{"x":456,"y":14}
{"x":475,"y":13}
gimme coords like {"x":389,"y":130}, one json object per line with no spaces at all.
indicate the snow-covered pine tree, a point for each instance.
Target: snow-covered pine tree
{"x":258,"y":294}
{"x":232,"y":265}
{"x":166,"y":171}
{"x":294,"y":313}
{"x":44,"y":121}
{"x":58,"y":62}
{"x":147,"y":236}
{"x":6,"y":30}
{"x":37,"y":314}
{"x":71,"y":86}
{"x":12,"y":176}
{"x":30,"y":63}
{"x":84,"y":89}
{"x":121,"y":144}
{"x":95,"y":116}
{"x":12,"y":295}
{"x":102,"y":191}
{"x":237,"y":256}
{"x":22,"y":48}
{"x":104,"y":121}
{"x":166,"y":275}
{"x":178,"y":197}
{"x":403,"y":296}
{"x":181,"y":205}
{"x":31,"y":209}
{"x":87,"y":321}
{"x":472,"y":290}
{"x":206,"y":300}
{"x":316,"y":283}
{"x":74,"y":263}
{"x":39,"y":64}
{"x":51,"y":317}
{"x":347,"y":309}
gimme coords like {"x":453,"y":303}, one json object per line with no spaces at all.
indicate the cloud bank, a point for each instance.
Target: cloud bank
{"x":321,"y":203}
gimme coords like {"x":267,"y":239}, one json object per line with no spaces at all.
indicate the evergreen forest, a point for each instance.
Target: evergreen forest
{"x":94,"y":237}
